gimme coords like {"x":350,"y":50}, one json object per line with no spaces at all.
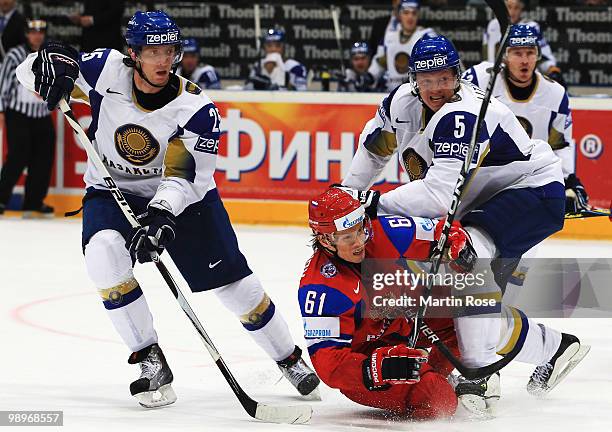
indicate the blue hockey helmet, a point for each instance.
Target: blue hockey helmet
{"x":523,"y":35}
{"x":190,"y":45}
{"x":408,"y":4}
{"x":153,"y":28}
{"x":431,"y":54}
{"x":359,"y":48}
{"x":275,"y":35}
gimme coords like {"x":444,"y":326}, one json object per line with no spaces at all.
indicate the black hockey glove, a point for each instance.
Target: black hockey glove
{"x":158,"y":226}
{"x":368,"y":199}
{"x":392,"y":365}
{"x":55,"y":70}
{"x":262,"y":82}
{"x":556,"y":75}
{"x":576,"y":198}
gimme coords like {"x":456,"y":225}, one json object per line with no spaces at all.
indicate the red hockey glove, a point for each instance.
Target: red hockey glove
{"x":392,"y":365}
{"x":460,"y":251}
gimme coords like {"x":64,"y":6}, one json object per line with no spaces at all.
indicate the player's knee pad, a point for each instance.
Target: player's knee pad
{"x":107,"y":260}
{"x":247,"y":299}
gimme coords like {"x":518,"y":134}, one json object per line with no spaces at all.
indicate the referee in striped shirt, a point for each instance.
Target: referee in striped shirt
{"x":29,"y":130}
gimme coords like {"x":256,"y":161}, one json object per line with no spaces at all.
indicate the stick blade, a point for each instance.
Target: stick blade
{"x":296,"y":414}
{"x":501,"y":13}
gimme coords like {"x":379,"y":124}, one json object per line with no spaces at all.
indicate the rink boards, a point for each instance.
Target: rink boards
{"x":280,"y":148}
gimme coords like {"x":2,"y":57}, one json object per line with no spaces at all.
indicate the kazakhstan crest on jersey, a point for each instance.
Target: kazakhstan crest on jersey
{"x":136,"y":144}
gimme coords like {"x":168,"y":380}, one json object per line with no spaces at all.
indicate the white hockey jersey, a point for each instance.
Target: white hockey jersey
{"x":393,"y":57}
{"x":204,"y":76}
{"x":432,"y":154}
{"x":544,"y":115}
{"x":288,"y":74}
{"x":492,"y":38}
{"x":166,"y":154}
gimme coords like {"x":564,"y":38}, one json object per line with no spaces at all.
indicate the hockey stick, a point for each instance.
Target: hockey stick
{"x":279,"y":414}
{"x":589,"y":213}
{"x":501,"y":13}
{"x":335,"y":13}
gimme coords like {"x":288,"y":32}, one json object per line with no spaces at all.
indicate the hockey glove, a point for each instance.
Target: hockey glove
{"x":389,"y":366}
{"x":364,"y":82}
{"x":56,"y":68}
{"x":368,"y":199}
{"x":554,"y":73}
{"x":158,"y":227}
{"x":459,"y":249}
{"x":576,"y":198}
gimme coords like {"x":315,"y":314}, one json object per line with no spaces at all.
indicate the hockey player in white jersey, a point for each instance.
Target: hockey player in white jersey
{"x":492,"y":37}
{"x":391,"y":61}
{"x":204,"y":75}
{"x":158,"y":135}
{"x":274,"y":72}
{"x":514,"y":200}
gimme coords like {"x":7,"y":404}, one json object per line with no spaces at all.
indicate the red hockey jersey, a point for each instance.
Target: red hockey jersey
{"x":339,"y":339}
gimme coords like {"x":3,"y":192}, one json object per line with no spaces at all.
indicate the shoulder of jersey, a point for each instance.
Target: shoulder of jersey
{"x":325,"y":273}
{"x":401,"y":97}
{"x":554,"y":90}
{"x":294,"y":66}
{"x":104,"y":66}
{"x":493,"y":25}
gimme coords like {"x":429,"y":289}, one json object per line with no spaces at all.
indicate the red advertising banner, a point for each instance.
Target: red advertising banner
{"x":289,"y":147}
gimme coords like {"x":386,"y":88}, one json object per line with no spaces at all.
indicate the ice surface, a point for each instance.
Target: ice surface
{"x":59,"y":351}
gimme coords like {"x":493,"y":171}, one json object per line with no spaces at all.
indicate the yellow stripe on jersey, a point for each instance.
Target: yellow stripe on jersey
{"x":384,"y":144}
{"x":179,"y":162}
{"x":77,"y":93}
{"x":556,"y":139}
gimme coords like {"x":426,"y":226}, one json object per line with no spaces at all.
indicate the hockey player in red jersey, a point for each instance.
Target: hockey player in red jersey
{"x":367,"y":358}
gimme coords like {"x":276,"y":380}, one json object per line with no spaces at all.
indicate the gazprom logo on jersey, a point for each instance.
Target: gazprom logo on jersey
{"x":523,"y":41}
{"x":436,"y":62}
{"x":351,"y":219}
{"x":161,"y":39}
{"x":454,"y":150}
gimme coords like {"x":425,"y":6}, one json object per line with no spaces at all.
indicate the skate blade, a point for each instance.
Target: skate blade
{"x":314,"y":396}
{"x":478,"y":408}
{"x":573,"y":361}
{"x":163,"y":396}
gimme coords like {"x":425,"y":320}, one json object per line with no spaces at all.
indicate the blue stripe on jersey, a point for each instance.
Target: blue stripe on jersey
{"x":564,"y":106}
{"x":298,"y":70}
{"x":91,"y":65}
{"x":399,"y":231}
{"x":95,"y":99}
{"x":334,"y":303}
{"x":386,"y":103}
{"x":503,"y":149}
{"x":326,"y":344}
{"x":204,"y":122}
{"x":445,"y":142}
{"x":470,"y":75}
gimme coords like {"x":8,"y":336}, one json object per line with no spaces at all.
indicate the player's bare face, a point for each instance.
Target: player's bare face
{"x":515,"y":8}
{"x":35,"y":39}
{"x":408,"y":19}
{"x":156,"y":62}
{"x":436,"y":88}
{"x":350,"y":243}
{"x":521,"y":63}
{"x":189,"y":62}
{"x":360,"y":63}
{"x":273,"y":47}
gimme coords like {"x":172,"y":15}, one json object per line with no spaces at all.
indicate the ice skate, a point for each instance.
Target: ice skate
{"x":300,"y":375}
{"x":547,"y":376}
{"x":154,"y":387}
{"x":479,"y":396}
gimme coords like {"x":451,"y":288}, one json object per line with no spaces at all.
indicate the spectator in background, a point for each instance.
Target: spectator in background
{"x":203,"y":75}
{"x":101,"y":22}
{"x":392,"y":58}
{"x":12,"y":24}
{"x":31,"y":138}
{"x":381,"y":26}
{"x":595,"y":2}
{"x":357,"y":78}
{"x":273,"y":72}
{"x":492,"y":38}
